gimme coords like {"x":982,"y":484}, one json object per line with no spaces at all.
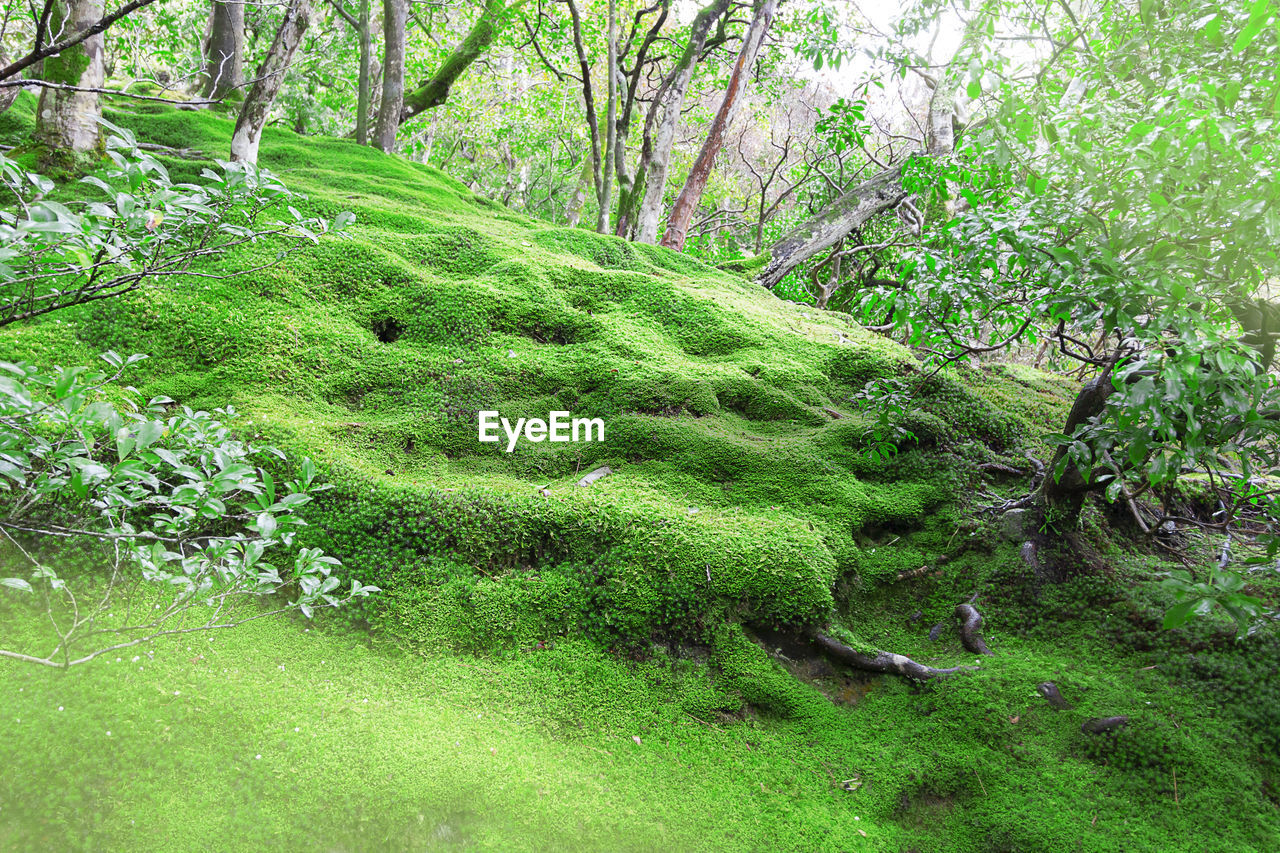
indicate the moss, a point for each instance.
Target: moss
{"x":735,"y":499}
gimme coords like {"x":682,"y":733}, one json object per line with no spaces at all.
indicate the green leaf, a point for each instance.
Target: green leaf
{"x":1180,"y":613}
{"x":1259,"y":14}
{"x":16,"y":583}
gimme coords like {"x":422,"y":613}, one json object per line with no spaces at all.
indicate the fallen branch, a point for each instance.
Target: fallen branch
{"x":1102,"y":725}
{"x":909,"y":574}
{"x":970,"y":628}
{"x":883,"y":662}
{"x":1053,"y":695}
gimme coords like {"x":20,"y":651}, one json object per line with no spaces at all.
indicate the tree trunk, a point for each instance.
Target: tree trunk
{"x":395,"y":15}
{"x":851,"y":210}
{"x":67,"y":121}
{"x":610,"y":123}
{"x":1064,"y":498}
{"x":650,"y":182}
{"x":573,"y":213}
{"x":7,"y":93}
{"x":365,"y":31}
{"x":687,"y":202}
{"x":257,"y":104}
{"x":628,"y":190}
{"x":588,"y":100}
{"x":883,"y":191}
{"x":493,"y":18}
{"x":224,"y":51}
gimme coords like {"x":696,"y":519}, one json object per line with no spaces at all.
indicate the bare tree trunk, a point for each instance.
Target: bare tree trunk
{"x":662,"y":121}
{"x":610,"y":124}
{"x":395,"y":14}
{"x":852,"y":210}
{"x":493,"y":18}
{"x":629,"y":80}
{"x":573,"y":213}
{"x":257,"y":104}
{"x":224,"y":51}
{"x":1065,"y":496}
{"x":884,"y":190}
{"x":365,"y":31}
{"x":588,"y":100}
{"x":687,"y":202}
{"x":360,"y":24}
{"x":67,"y":121}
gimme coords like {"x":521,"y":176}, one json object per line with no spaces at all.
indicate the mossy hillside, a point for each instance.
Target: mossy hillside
{"x":533,"y":747}
{"x":374,"y":353}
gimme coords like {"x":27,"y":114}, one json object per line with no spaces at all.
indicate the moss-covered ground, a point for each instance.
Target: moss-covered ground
{"x":572,"y":619}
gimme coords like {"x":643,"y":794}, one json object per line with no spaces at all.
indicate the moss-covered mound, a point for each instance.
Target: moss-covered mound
{"x":741,"y":480}
{"x":742,"y":492}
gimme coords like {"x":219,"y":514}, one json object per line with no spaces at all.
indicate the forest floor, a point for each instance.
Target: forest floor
{"x":555,"y":667}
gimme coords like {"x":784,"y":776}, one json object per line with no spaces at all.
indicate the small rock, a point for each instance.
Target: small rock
{"x":603,"y":471}
{"x":1014,"y":524}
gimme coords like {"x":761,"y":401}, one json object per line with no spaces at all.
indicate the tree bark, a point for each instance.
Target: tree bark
{"x":588,"y":100}
{"x":257,"y":104}
{"x":1064,"y":497}
{"x":971,"y":629}
{"x":610,"y":123}
{"x":573,"y":213}
{"x":850,"y":211}
{"x":660,"y":127}
{"x":883,"y":662}
{"x":629,"y":81}
{"x":493,"y":18}
{"x":687,"y":202}
{"x":224,"y":50}
{"x":395,"y":15}
{"x":365,"y":92}
{"x":67,"y":121}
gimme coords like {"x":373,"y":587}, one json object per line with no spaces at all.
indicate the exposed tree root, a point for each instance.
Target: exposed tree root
{"x":970,"y":629}
{"x":1053,"y":695}
{"x":884,"y":662}
{"x":1102,"y":725}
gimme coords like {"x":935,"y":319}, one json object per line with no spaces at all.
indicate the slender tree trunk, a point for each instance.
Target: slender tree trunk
{"x":629,"y":81}
{"x":257,"y":104}
{"x":395,"y":14}
{"x":8,"y":93}
{"x":573,"y":213}
{"x":494,"y":16}
{"x":588,"y":100}
{"x":224,"y":51}
{"x":365,"y":31}
{"x":610,"y":123}
{"x":67,"y":121}
{"x":661,"y":124}
{"x":687,"y":202}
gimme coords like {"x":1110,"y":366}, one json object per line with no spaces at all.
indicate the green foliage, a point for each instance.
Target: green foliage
{"x":590,"y":610}
{"x":165,"y":489}
{"x":148,"y":228}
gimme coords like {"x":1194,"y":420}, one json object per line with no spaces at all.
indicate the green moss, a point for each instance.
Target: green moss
{"x":617,"y":610}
